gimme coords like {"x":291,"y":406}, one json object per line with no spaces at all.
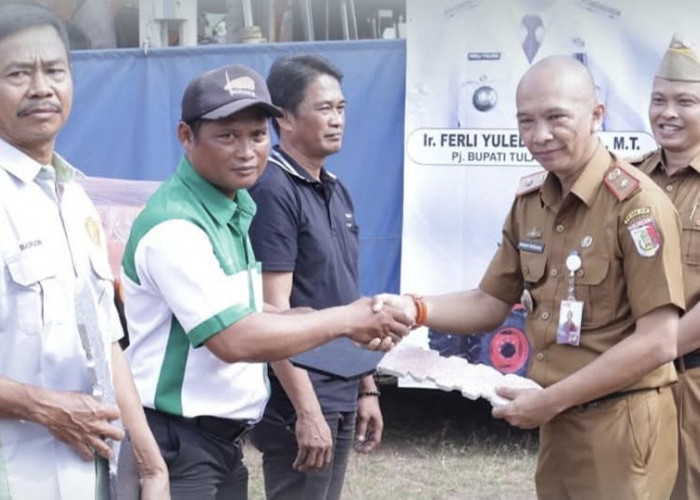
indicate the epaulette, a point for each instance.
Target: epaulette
{"x":638,"y":160}
{"x":531,"y":182}
{"x":620,"y":182}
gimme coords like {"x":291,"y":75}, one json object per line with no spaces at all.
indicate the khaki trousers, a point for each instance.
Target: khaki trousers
{"x":686,"y":393}
{"x":622,"y":448}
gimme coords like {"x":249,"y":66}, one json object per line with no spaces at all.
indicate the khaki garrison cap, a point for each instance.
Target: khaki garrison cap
{"x":680,"y":62}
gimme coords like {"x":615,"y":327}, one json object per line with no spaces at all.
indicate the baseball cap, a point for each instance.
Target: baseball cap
{"x":221,"y":92}
{"x":680,"y":62}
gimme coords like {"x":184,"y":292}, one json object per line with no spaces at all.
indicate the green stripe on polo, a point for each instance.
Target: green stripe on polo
{"x":172,"y":372}
{"x":215,"y":324}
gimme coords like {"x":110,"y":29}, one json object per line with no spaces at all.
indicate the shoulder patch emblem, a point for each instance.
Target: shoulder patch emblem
{"x":646,"y":237}
{"x":92,"y":227}
{"x":637,"y":212}
{"x":531,"y":182}
{"x":620,"y":182}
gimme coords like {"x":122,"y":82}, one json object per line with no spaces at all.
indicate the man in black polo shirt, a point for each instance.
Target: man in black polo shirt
{"x":306,"y":237}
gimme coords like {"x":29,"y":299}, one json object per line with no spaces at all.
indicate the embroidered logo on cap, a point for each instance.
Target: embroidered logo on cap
{"x":241,"y":85}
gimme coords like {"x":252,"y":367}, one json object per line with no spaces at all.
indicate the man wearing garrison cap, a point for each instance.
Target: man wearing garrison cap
{"x":674,"y":113}
{"x":194,"y":293}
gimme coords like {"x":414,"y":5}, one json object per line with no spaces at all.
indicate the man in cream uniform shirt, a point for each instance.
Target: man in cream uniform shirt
{"x":52,"y":429}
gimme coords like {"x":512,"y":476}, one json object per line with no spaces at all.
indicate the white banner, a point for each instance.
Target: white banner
{"x":463,"y":153}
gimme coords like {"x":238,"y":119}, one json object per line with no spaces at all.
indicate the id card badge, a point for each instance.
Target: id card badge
{"x":569,"y":326}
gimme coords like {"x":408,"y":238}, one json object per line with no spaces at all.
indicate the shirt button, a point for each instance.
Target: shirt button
{"x":560,"y":228}
{"x":554,"y":273}
{"x":540,"y":356}
{"x":669,"y":188}
{"x":545,"y":315}
{"x":579,"y":273}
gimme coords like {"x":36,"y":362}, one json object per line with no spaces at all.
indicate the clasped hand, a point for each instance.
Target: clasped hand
{"x":379,"y":325}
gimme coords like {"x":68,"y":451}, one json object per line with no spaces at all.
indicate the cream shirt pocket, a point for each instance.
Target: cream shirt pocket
{"x":102,"y":277}
{"x":32,"y":272}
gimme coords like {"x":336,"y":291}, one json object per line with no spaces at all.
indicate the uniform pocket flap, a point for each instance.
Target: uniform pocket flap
{"x":690,"y":218}
{"x":31,"y":266}
{"x":594,"y":269}
{"x":533,"y":267}
{"x":690,"y":225}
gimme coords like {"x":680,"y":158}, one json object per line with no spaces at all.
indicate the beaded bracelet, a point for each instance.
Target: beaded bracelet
{"x":363,"y":394}
{"x":421,"y":310}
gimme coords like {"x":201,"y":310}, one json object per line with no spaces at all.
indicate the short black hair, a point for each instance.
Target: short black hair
{"x":18,"y":17}
{"x":290,"y":76}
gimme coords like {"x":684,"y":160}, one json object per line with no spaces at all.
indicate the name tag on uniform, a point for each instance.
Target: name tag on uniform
{"x":484,"y":56}
{"x":569,"y":326}
{"x":531,"y":246}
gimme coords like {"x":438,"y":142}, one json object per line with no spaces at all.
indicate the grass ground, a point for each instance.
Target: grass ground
{"x":436,"y":446}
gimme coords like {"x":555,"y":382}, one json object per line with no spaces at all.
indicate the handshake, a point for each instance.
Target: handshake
{"x":380,"y":322}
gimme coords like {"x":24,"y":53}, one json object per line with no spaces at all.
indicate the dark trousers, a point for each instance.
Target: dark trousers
{"x":274,"y":437}
{"x":202,"y":466}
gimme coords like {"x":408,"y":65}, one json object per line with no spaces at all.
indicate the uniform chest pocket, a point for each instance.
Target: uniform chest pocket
{"x":592,"y":287}
{"x":690,"y":240}
{"x":33,"y":273}
{"x":533,"y":266}
{"x":102,"y":277}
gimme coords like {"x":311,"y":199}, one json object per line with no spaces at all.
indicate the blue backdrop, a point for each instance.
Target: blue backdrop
{"x":127,"y":105}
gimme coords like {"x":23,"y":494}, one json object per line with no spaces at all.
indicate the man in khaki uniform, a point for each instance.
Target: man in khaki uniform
{"x":674,"y":114}
{"x":588,"y":234}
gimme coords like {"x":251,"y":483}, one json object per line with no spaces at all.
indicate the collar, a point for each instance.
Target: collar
{"x":588,"y":183}
{"x":64,"y":171}
{"x":18,"y":163}
{"x":591,"y":178}
{"x":650,"y":162}
{"x":26,"y":169}
{"x":659,"y":160}
{"x":221,"y":207}
{"x":695,"y":163}
{"x":292,"y":167}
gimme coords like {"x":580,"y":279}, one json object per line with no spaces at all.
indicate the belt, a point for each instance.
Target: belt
{"x":614,"y":395}
{"x":687,"y":362}
{"x":226,"y":428}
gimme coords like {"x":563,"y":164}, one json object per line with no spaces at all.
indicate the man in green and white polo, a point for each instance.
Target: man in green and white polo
{"x":193,"y":293}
